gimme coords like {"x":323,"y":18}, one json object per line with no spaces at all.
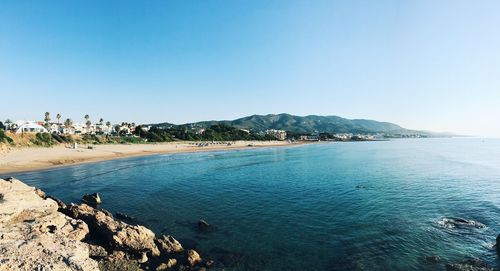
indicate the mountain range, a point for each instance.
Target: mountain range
{"x":308,"y":124}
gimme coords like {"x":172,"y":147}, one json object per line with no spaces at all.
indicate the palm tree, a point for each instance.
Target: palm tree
{"x":58,"y":117}
{"x":87,"y":118}
{"x":68,"y":123}
{"x":101,"y":121}
{"x":47,"y":118}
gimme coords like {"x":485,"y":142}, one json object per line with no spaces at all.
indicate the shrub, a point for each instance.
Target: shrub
{"x":44,"y":139}
{"x":5,"y":138}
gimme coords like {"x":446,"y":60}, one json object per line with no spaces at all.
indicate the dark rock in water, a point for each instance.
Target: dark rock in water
{"x":469,"y":265}
{"x":203,"y":224}
{"x":454,"y":222}
{"x":124,"y":216}
{"x":498,"y":245}
{"x":433,"y":259}
{"x":92,"y":199}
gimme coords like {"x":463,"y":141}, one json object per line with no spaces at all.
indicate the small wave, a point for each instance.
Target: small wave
{"x":455,"y":222}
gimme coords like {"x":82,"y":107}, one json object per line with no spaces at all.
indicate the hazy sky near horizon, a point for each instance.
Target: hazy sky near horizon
{"x":432,"y":65}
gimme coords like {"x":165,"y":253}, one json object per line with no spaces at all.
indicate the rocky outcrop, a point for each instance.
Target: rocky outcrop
{"x":193,"y":257}
{"x":168,"y":244}
{"x":35,"y":236}
{"x":118,"y":235}
{"x":39,"y":232}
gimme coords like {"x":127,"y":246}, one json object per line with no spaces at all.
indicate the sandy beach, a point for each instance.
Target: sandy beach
{"x":35,"y":158}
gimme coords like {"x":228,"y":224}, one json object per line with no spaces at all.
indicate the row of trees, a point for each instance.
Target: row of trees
{"x":68,"y":122}
{"x":219,"y":132}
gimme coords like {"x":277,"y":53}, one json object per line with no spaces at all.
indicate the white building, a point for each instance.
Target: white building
{"x":30,"y":127}
{"x":279,"y":134}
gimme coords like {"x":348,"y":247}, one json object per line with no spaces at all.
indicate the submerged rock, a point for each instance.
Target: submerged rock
{"x":204,"y":226}
{"x":92,"y":199}
{"x":469,"y":265}
{"x":433,"y":259}
{"x":454,"y":222}
{"x":124,"y":216}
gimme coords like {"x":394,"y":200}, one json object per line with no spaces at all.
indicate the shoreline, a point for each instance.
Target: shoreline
{"x":19,"y":160}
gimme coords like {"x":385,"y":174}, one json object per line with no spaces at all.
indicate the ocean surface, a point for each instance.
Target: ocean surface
{"x":335,"y":206}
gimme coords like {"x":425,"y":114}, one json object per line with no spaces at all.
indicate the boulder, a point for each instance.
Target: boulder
{"x":97,"y":251}
{"x":92,"y":199}
{"x":135,"y":239}
{"x":193,"y":257}
{"x":119,"y":235}
{"x":167,"y":265}
{"x":168,"y":244}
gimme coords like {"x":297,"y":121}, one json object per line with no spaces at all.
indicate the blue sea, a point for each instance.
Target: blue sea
{"x":328,"y":206}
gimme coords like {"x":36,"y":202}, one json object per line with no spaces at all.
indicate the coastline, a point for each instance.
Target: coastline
{"x":18,"y":160}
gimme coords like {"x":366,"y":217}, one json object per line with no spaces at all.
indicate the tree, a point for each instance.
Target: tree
{"x":101,"y":121}
{"x":58,"y":117}
{"x":8,"y":122}
{"x":87,"y":118}
{"x":68,"y":123}
{"x":108,"y":123}
{"x":47,"y":118}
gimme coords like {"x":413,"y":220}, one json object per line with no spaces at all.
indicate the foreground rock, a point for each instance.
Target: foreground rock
{"x":35,"y":236}
{"x":43,"y":233}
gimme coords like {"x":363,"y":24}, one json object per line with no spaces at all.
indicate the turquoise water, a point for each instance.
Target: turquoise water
{"x":332,"y":206}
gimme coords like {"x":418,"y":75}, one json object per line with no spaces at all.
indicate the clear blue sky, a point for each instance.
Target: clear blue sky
{"x":431,"y":65}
